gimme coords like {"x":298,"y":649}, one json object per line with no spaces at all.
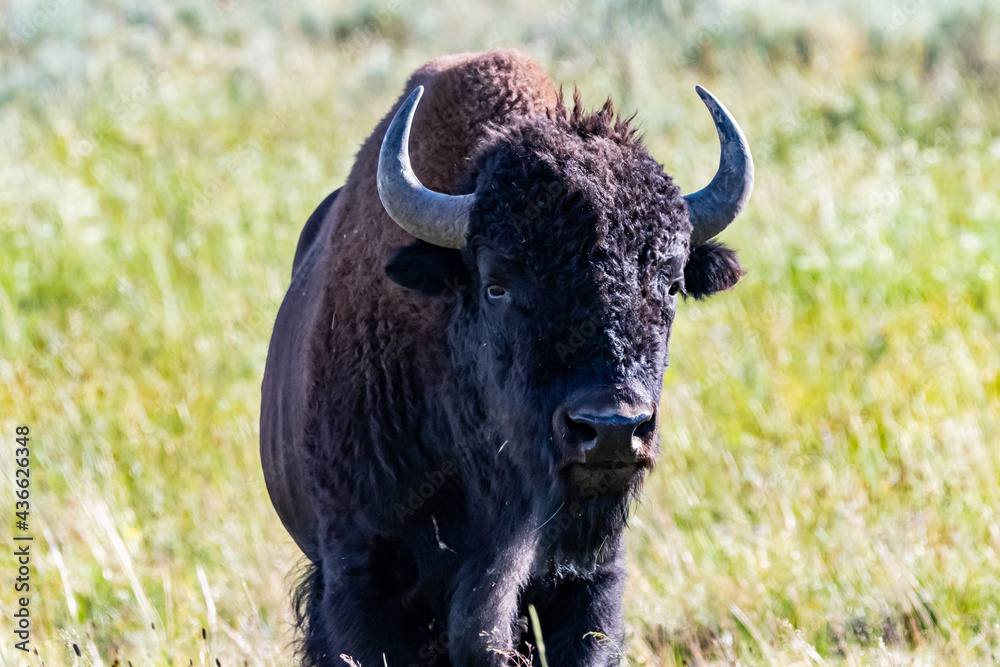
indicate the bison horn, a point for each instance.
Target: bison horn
{"x":712,"y":208}
{"x":430,"y":216}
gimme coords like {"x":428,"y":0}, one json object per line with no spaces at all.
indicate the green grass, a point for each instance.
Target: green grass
{"x":829,"y":485}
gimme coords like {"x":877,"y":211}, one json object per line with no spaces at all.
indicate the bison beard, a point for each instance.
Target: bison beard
{"x":454,"y":427}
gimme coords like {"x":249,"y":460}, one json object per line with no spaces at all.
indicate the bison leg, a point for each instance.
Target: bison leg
{"x":364,"y":603}
{"x":581,"y":618}
{"x":484,"y":606}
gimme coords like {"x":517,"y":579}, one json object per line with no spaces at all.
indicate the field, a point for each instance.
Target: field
{"x":829,"y":484}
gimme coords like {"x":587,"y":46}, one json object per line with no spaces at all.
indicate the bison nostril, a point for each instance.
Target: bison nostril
{"x":646,"y":428}
{"x":578,"y":434}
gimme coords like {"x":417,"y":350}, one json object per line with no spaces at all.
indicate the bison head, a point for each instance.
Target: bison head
{"x":562,"y":272}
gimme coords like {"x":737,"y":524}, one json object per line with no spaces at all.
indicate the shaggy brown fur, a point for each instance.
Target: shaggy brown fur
{"x":406,"y":422}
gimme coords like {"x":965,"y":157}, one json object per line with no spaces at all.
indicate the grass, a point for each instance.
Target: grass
{"x":830,"y":478}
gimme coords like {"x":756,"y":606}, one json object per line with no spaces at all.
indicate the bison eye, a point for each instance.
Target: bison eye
{"x":675,"y":288}
{"x":496,"y":292}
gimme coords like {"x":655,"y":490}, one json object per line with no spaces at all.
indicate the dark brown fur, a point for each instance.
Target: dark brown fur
{"x":405,"y":422}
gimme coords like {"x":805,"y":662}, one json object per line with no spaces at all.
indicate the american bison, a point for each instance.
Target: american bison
{"x":461,"y":391}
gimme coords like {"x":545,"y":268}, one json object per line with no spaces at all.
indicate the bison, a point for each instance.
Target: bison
{"x":460,"y":399}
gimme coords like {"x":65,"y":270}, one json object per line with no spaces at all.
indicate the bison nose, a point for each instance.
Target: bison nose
{"x":595,"y":434}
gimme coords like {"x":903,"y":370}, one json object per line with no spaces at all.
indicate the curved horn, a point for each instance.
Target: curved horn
{"x":430,"y":216}
{"x":712,"y":208}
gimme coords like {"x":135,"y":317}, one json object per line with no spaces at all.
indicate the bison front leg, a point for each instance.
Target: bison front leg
{"x":484,"y":607}
{"x":357,"y":604}
{"x":581,"y":617}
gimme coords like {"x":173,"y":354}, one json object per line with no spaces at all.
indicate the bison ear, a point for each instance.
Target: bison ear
{"x":711,"y":268}
{"x":428,"y":269}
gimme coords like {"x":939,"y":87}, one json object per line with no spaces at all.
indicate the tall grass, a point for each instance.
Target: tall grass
{"x":828,"y":484}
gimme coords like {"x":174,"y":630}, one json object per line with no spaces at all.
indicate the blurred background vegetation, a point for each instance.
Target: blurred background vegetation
{"x":828,"y":489}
